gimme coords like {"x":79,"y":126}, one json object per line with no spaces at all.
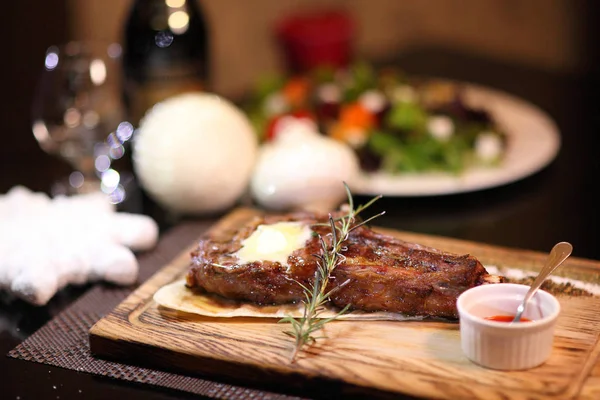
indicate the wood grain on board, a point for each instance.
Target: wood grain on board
{"x":417,"y":358}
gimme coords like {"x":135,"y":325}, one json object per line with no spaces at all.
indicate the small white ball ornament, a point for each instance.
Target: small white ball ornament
{"x":302,"y":169}
{"x":194,"y":153}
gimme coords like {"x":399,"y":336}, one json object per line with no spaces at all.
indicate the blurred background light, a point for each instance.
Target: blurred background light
{"x":175,"y":3}
{"x":91,"y":119}
{"x":51,"y":60}
{"x":117,"y":152}
{"x":110,"y":180}
{"x":124,"y":131}
{"x":163,"y":39}
{"x":40,"y":131}
{"x":102,"y":163}
{"x":76,"y":179}
{"x":72,"y":117}
{"x":98,"y":72}
{"x":118,"y":195}
{"x":114,"y":50}
{"x":179,"y":21}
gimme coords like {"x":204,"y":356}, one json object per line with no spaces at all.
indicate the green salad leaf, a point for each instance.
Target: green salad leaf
{"x":267,"y":85}
{"x":419,"y":153}
{"x":361,"y":78}
{"x":407,"y":117}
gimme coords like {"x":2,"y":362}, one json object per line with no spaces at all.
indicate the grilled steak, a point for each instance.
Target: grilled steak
{"x":384,"y":273}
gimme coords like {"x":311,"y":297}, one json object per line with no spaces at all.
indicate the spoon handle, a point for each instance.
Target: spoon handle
{"x":560,"y":252}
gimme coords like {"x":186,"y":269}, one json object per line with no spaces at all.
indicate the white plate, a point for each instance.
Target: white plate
{"x":533,"y":142}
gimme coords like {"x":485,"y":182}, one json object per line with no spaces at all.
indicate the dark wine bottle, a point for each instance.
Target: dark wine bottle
{"x":165,"y":53}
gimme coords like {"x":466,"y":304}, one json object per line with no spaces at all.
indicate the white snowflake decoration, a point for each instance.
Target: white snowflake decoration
{"x":46,"y":244}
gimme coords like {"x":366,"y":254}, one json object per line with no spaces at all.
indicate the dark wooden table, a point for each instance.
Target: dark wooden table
{"x":559,"y":203}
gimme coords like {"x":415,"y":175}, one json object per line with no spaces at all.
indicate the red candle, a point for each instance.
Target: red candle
{"x":316,"y":39}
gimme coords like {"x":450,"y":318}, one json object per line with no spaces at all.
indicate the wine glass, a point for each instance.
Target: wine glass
{"x":77,"y":114}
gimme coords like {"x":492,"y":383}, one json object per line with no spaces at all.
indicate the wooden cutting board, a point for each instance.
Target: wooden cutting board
{"x":377,"y":358}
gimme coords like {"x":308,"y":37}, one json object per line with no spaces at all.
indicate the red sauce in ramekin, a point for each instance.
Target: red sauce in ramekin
{"x":505,"y":318}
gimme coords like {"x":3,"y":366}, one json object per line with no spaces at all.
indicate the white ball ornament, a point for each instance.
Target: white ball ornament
{"x":302,"y":169}
{"x":194,"y":153}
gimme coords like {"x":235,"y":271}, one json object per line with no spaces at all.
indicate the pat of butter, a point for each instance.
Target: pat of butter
{"x":275,"y":242}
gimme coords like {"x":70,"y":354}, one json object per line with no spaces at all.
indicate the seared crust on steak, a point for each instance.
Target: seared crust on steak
{"x":383,"y":272}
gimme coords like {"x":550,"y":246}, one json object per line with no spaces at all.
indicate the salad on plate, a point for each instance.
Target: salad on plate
{"x":396,"y":123}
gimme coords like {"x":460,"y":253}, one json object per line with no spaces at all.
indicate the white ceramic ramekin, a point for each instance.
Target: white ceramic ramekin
{"x":500,"y":345}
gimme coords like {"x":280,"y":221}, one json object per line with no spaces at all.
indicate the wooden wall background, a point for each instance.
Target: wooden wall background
{"x":541,"y":34}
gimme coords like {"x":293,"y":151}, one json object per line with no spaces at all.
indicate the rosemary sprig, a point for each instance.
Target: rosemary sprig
{"x":316,"y":294}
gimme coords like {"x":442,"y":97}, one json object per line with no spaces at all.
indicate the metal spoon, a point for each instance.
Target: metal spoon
{"x":559,"y":253}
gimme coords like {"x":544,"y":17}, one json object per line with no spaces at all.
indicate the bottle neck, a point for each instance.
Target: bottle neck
{"x":165,"y":52}
{"x":165,"y":33}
